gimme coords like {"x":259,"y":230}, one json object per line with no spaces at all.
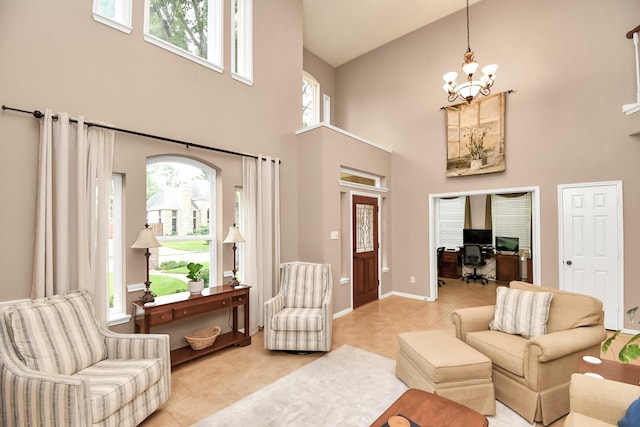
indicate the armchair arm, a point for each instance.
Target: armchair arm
{"x":472,"y":319}
{"x":603,"y":400}
{"x":553,"y":346}
{"x":271,"y":307}
{"x":136,"y":346}
{"x":61,"y":400}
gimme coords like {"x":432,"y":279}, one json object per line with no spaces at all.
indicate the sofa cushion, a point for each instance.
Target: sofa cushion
{"x":306,"y":285}
{"x":568,"y":310}
{"x":116,"y":382}
{"x":297,"y":319}
{"x":504,"y":350}
{"x":56,"y":335}
{"x":521,"y":312}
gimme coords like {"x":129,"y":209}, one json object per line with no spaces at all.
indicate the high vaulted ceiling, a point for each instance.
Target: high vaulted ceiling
{"x":340,"y":30}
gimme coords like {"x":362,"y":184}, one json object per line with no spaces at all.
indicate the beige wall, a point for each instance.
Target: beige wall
{"x":571,"y":68}
{"x":569,"y":63}
{"x":54,"y":55}
{"x":324,"y":205}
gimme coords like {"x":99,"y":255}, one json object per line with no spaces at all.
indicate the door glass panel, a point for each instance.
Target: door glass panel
{"x":364,"y":228}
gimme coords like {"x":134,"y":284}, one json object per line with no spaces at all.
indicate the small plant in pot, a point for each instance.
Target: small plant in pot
{"x":196,"y":281}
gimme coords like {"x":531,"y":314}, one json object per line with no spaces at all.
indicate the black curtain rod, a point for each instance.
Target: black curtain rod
{"x":38,"y":115}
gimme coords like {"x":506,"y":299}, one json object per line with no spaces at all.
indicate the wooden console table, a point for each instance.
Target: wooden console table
{"x":171,"y":308}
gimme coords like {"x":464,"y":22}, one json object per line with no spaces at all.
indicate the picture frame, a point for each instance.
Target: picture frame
{"x":475,"y":136}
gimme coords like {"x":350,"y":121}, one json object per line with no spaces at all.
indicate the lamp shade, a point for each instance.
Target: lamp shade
{"x":146,"y":239}
{"x":234,"y":235}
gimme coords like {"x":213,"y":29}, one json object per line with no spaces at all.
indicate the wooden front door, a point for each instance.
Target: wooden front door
{"x":365,"y":250}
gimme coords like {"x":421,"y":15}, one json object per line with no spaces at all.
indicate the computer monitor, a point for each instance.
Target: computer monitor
{"x":507,"y":244}
{"x":474,"y":236}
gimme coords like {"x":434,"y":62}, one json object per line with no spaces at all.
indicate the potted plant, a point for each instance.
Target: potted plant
{"x":196,"y":281}
{"x":476,"y":147}
{"x":631,"y":350}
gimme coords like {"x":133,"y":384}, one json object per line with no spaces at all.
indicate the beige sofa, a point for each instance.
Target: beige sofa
{"x":532,"y":376}
{"x":598,"y":403}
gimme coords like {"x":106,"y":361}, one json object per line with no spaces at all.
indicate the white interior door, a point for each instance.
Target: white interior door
{"x":591,"y":238}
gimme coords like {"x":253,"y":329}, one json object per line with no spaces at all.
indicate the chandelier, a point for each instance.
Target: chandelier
{"x":470,"y":89}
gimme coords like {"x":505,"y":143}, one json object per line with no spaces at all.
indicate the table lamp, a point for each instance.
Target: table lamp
{"x":146,"y":239}
{"x":234,"y":237}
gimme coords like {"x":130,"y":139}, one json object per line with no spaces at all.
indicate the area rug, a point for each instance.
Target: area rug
{"x":348,"y":387}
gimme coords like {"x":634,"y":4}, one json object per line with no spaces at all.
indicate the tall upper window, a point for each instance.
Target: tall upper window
{"x":115,"y":13}
{"x":310,"y":100}
{"x":181,"y":211}
{"x":242,"y":40}
{"x":192,"y":29}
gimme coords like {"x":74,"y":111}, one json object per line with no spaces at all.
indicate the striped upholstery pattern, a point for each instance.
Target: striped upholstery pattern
{"x":52,"y":335}
{"x":521,"y":312}
{"x":29,"y":397}
{"x":300,"y":316}
{"x":116,"y":382}
{"x":298,"y":319}
{"x":306,"y":285}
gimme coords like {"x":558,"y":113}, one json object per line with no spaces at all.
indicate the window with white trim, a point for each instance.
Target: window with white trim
{"x":351,"y":177}
{"x":181,"y":212}
{"x":450,"y":222}
{"x":116,"y":245}
{"x":114,"y":13}
{"x":242,"y":40}
{"x":191,"y":29}
{"x":310,"y":100}
{"x":511,"y":217}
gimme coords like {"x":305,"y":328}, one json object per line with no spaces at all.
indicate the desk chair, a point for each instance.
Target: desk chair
{"x":439,"y":253}
{"x":472,"y":255}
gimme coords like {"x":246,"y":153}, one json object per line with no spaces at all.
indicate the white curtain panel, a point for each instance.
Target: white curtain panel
{"x":74,"y":178}
{"x":261,"y":228}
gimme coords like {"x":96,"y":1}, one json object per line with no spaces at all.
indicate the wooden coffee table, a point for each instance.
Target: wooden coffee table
{"x":430,"y":410}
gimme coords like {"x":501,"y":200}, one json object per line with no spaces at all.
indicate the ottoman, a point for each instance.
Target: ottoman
{"x":440,"y":363}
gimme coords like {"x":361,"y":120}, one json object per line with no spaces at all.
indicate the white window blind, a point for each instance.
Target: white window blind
{"x":511,"y":217}
{"x":450,"y":222}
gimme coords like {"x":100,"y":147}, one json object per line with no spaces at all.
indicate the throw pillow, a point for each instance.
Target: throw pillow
{"x":632,"y":417}
{"x":521,"y":312}
{"x":57,"y":335}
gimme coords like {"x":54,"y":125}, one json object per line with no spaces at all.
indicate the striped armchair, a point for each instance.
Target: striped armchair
{"x":300,"y":316}
{"x":59,"y":367}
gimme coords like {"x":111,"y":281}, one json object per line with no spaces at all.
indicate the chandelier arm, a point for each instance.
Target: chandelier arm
{"x":485,"y":91}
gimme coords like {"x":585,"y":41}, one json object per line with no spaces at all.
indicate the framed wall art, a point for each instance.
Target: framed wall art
{"x":475,"y":136}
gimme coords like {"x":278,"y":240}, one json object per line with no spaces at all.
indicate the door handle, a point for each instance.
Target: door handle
{"x":569,"y":262}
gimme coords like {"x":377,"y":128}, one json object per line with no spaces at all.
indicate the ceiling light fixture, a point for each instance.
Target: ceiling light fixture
{"x":470,"y":89}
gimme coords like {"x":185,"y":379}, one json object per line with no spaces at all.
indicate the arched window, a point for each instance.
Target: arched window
{"x":181,"y":210}
{"x":310,"y":100}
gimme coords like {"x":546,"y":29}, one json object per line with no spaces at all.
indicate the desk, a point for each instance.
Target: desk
{"x":507,"y":268}
{"x":450,"y":265}
{"x":171,"y":308}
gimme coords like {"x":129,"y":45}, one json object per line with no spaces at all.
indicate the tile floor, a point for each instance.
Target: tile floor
{"x":208,"y":384}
